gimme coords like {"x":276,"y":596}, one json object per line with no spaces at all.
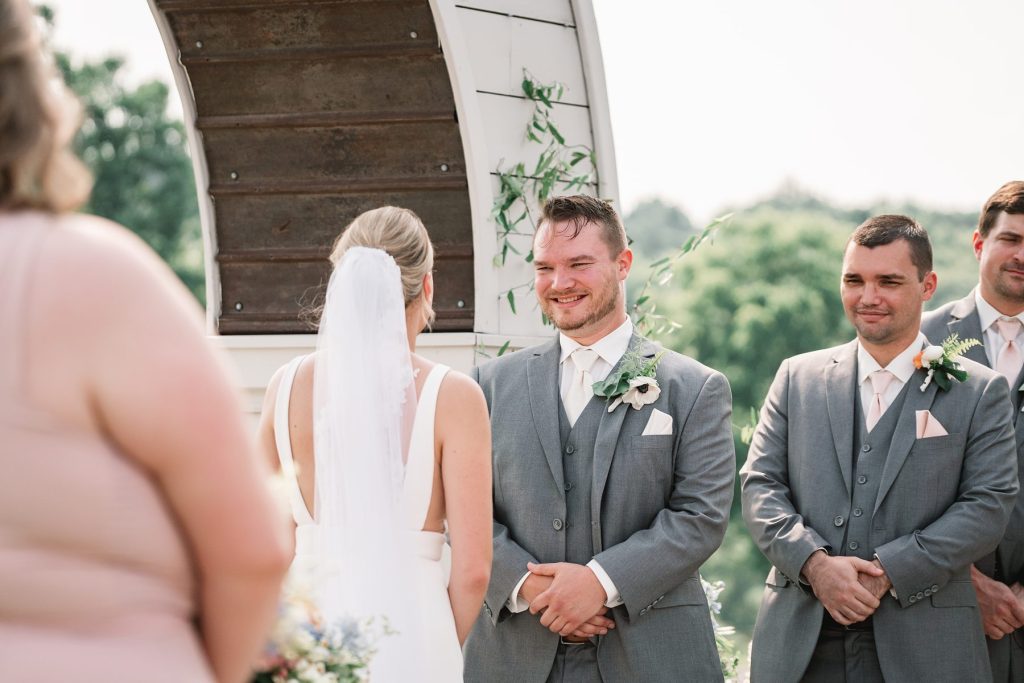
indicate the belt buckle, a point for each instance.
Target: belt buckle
{"x":572,"y":643}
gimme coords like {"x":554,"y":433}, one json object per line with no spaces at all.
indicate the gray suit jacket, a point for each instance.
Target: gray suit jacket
{"x":961,"y":317}
{"x":942,"y":502}
{"x":660,"y":505}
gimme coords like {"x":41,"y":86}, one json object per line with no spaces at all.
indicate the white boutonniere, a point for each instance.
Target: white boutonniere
{"x":633,"y":383}
{"x":943,"y":362}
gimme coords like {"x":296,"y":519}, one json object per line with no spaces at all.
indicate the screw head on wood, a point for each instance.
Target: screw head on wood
{"x":414,"y":35}
{"x":238,"y":305}
{"x":199,"y":44}
{"x":444,"y":168}
{"x":234,"y":175}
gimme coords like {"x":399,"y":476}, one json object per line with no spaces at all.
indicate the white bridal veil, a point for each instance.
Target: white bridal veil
{"x":364,"y":402}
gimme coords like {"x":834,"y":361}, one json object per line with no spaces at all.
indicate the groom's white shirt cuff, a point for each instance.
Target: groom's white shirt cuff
{"x":614,"y":599}
{"x":515,"y":605}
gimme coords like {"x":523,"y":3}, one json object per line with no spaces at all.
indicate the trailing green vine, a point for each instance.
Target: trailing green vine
{"x":643,"y":312}
{"x":520,"y":189}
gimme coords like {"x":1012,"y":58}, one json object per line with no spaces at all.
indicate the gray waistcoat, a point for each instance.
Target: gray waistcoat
{"x":578,"y":469}
{"x":870,"y":450}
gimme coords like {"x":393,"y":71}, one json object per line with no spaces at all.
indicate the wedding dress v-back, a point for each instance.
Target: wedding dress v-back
{"x":430,"y":555}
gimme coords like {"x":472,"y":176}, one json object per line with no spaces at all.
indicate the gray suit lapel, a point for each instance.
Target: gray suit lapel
{"x":840,"y":393}
{"x":542,"y":374}
{"x":906,"y":430}
{"x":964,"y":321}
{"x":608,"y":432}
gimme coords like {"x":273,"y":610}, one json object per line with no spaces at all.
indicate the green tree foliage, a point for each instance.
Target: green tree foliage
{"x":139,"y":160}
{"x":657,"y":228}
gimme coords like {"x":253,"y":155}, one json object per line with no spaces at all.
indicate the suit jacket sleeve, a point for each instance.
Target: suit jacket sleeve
{"x":973,"y":525}
{"x":774,"y":522}
{"x":509,"y":561}
{"x":683,"y":535}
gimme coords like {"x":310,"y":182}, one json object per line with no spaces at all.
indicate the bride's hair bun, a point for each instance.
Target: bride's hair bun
{"x":400,"y":233}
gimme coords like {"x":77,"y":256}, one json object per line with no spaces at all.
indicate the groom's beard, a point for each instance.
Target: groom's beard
{"x":601,"y":304}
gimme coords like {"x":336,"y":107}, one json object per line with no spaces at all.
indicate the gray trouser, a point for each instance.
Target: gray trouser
{"x":842,"y":655}
{"x":575,"y":664}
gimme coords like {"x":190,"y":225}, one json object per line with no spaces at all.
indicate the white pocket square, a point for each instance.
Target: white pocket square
{"x":658,"y":423}
{"x":928,"y":426}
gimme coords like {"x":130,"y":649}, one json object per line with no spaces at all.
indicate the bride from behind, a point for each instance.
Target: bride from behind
{"x":383,"y":451}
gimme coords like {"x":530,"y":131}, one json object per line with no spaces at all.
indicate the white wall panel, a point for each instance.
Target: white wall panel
{"x":557,"y":11}
{"x":502,"y":47}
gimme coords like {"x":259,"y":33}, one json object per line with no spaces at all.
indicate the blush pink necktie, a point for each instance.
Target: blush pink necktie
{"x":1010,"y":358}
{"x":581,"y":390}
{"x":880,"y":381}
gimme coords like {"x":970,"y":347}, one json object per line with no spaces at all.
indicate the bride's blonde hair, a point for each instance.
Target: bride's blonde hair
{"x":38,"y":118}
{"x":401,"y":234}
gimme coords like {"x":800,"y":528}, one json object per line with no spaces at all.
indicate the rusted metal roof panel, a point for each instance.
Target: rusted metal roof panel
{"x":310,"y":112}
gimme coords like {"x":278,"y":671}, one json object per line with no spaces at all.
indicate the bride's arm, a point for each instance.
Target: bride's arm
{"x":466,"y":477}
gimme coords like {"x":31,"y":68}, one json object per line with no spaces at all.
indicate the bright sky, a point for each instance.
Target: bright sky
{"x":716,"y":103}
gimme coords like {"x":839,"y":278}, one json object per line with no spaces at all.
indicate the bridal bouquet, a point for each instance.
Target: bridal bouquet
{"x":304,"y":649}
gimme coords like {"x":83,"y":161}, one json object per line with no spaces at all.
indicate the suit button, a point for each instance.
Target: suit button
{"x":866,"y":448}
{"x":927,"y":592}
{"x":838,"y":521}
{"x":934,"y":588}
{"x":488,"y":610}
{"x":857,"y":512}
{"x":920,"y":596}
{"x":853,"y":545}
{"x":912,"y":599}
{"x":556,"y":524}
{"x":568,"y":485}
{"x":570,"y":449}
{"x":862,"y":479}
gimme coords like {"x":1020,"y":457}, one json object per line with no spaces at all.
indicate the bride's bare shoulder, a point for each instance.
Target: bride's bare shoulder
{"x":460,"y":396}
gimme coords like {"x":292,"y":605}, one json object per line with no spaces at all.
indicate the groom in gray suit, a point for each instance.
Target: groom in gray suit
{"x":992,"y":313}
{"x":604,"y":508}
{"x":871,"y":490}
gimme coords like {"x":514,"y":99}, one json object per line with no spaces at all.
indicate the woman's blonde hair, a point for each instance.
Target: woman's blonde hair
{"x":401,"y":234}
{"x":38,"y":118}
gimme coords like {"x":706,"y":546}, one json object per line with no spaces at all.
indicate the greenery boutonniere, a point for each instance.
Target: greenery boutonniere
{"x":942,"y":361}
{"x":633,"y":383}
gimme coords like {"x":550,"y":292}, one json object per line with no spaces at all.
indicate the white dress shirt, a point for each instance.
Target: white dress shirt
{"x":901,"y":367}
{"x":993,"y":340}
{"x":610,"y":349}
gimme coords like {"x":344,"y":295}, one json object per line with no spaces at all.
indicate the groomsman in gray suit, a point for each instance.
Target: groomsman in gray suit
{"x":993,"y":313}
{"x":604,"y":509}
{"x":872,"y":491}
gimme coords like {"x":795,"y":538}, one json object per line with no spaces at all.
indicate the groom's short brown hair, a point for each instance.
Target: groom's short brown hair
{"x":580,"y":209}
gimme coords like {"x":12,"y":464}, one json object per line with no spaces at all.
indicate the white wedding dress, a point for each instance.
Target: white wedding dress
{"x":429,"y":554}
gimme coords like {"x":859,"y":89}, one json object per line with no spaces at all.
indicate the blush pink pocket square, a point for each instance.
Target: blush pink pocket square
{"x":928,"y":426}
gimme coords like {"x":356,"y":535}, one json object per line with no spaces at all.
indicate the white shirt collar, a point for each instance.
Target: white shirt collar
{"x":987,"y":314}
{"x":610,"y":347}
{"x":902,"y":366}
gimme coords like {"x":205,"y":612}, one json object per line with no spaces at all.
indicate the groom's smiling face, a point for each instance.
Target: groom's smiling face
{"x":578,"y":280}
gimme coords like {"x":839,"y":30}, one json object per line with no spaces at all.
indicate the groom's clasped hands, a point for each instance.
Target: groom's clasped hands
{"x":569,"y":599}
{"x":848,"y":587}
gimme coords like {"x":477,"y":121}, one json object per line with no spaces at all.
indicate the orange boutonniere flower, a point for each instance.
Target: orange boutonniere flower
{"x":917,"y":360}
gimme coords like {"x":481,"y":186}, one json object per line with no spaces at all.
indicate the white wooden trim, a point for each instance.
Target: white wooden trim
{"x":597,"y":98}
{"x":474,"y":144}
{"x":207,"y":214}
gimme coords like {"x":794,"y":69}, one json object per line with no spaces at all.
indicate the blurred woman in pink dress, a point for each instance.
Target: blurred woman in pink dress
{"x":137,"y":537}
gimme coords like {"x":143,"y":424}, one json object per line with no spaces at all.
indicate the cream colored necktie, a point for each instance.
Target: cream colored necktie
{"x":581,"y":388}
{"x":1010,"y":358}
{"x":880,"y":381}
